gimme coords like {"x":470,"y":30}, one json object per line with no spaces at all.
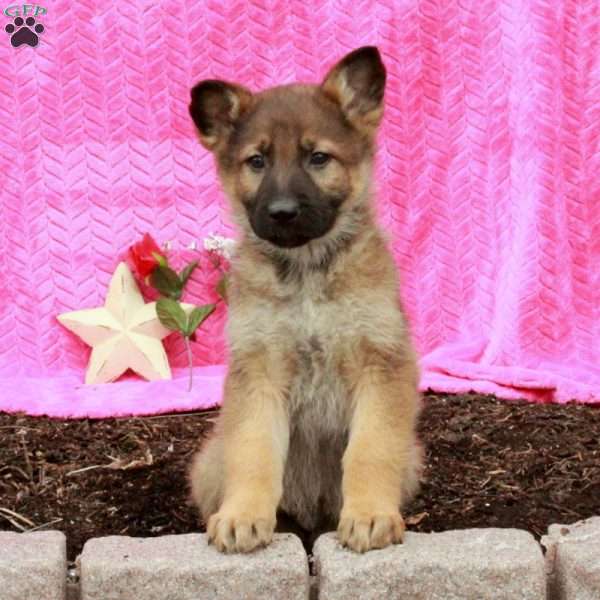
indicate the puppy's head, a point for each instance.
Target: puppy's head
{"x":294,"y":159}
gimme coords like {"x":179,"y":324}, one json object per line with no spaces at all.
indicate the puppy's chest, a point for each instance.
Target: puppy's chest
{"x":319,"y":396}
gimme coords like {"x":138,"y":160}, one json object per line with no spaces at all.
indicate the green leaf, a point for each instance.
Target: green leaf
{"x":197,"y":317}
{"x":171,"y":315}
{"x":222,"y":286}
{"x":187,"y":271}
{"x":167,"y":282}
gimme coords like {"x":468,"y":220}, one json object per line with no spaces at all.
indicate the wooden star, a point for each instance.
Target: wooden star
{"x":124,"y":334}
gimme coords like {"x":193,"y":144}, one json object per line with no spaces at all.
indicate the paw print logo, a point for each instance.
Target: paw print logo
{"x":24,"y":32}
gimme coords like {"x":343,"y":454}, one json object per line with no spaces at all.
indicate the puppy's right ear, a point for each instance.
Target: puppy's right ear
{"x":215,"y":108}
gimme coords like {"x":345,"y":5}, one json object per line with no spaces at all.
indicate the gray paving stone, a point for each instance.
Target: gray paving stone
{"x":33,"y":565}
{"x":573,"y":560}
{"x":185,"y":567}
{"x":499,"y":564}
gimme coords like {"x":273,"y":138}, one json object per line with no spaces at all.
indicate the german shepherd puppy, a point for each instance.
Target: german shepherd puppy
{"x":320,"y":400}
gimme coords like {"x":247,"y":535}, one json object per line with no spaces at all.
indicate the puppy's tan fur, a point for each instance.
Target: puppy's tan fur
{"x":320,"y":400}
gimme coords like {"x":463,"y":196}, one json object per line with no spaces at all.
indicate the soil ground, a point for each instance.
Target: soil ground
{"x":489,"y":463}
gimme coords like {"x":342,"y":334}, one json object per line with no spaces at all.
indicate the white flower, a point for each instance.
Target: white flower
{"x":220,"y":245}
{"x":228,"y":248}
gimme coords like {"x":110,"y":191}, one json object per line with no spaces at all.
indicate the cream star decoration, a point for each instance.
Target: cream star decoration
{"x":124,"y":334}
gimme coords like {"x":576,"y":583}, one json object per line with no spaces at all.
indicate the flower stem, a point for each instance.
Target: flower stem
{"x":186,"y":339}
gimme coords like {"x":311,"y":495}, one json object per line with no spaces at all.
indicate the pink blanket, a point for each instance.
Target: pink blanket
{"x":488,"y":180}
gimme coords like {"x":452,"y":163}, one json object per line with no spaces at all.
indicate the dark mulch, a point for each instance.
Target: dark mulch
{"x":489,"y":463}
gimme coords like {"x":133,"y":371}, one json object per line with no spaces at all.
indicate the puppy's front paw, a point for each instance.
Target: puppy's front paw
{"x":239,"y":531}
{"x":362,"y":531}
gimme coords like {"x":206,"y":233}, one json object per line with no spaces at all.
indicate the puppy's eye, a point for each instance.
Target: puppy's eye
{"x":318,"y":159}
{"x":257,"y":162}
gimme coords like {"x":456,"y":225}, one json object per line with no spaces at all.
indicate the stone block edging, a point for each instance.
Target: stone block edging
{"x":33,"y":565}
{"x":504,"y":564}
{"x":473,"y":563}
{"x":573,"y":560}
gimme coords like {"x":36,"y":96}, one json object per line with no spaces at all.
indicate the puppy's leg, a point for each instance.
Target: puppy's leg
{"x":376,"y":461}
{"x":206,"y":476}
{"x":414,"y":472}
{"x":255,"y":443}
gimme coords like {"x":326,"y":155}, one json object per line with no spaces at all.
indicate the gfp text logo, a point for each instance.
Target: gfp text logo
{"x":24,"y":30}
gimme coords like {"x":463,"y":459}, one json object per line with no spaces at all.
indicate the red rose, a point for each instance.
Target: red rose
{"x":146,"y":256}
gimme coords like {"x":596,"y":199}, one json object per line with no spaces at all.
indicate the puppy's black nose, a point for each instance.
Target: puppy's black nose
{"x":284,"y":210}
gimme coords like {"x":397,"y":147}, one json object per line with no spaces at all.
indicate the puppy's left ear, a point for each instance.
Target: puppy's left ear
{"x":357,"y":84}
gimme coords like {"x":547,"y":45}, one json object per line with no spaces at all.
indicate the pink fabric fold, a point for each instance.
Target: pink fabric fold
{"x":65,"y":395}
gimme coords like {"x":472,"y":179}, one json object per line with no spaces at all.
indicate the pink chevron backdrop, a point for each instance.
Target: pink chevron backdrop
{"x":488,"y":178}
